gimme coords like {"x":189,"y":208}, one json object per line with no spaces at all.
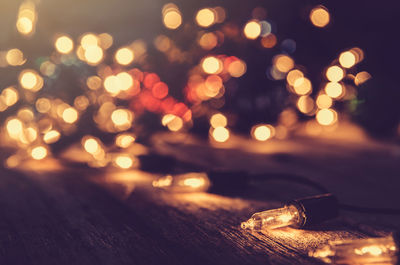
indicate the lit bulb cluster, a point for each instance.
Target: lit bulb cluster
{"x":120,"y":92}
{"x":182,"y":183}
{"x":383,"y":250}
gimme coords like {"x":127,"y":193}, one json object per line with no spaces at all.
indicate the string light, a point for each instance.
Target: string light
{"x":383,"y":250}
{"x":189,"y":182}
{"x":297,"y":213}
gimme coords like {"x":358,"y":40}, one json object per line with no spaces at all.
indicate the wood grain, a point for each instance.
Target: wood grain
{"x":81,"y":216}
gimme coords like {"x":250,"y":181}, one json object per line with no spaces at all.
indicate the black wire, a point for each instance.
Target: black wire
{"x":370,"y":210}
{"x":320,"y":188}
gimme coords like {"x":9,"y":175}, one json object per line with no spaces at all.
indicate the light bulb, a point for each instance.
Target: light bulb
{"x":297,"y":213}
{"x":188,"y":182}
{"x":383,"y":250}
{"x":285,"y":216}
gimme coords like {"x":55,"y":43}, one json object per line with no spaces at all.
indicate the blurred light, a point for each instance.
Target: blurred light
{"x":30,"y":80}
{"x":64,"y":44}
{"x":93,"y":54}
{"x":334,"y":90}
{"x":89,"y":40}
{"x":39,"y":152}
{"x":172,"y":17}
{"x":237,"y":68}
{"x":15,"y":57}
{"x":112,"y":84}
{"x":122,"y":118}
{"x":47,"y":68}
{"x":302,"y":86}
{"x":124,"y":161}
{"x":305,"y":104}
{"x":188,"y":182}
{"x":24,"y":25}
{"x":269,"y":41}
{"x":25,"y":115}
{"x":208,"y":41}
{"x":106,"y":40}
{"x":43,"y":105}
{"x":91,"y":145}
{"x":334,"y":73}
{"x":252,"y":30}
{"x":14,"y":128}
{"x":283,"y":63}
{"x":124,"y":140}
{"x":124,"y":56}
{"x":293,"y":75}
{"x":81,"y":102}
{"x":218,"y":120}
{"x":125,"y":81}
{"x":326,"y":117}
{"x":159,"y":90}
{"x":205,"y":17}
{"x":173,"y":122}
{"x":220,"y":134}
{"x":93,"y":82}
{"x":347,"y":59}
{"x":70,"y":115}
{"x":212,"y":65}
{"x":9,"y":96}
{"x":361,"y":78}
{"x":319,"y":16}
{"x":51,"y":137}
{"x":262,"y":132}
{"x":324,"y":101}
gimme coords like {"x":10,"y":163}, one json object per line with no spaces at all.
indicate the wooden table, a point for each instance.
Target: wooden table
{"x":52,"y":214}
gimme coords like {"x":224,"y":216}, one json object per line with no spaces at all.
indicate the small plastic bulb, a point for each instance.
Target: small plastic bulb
{"x":383,"y":250}
{"x":189,"y":182}
{"x":271,"y":219}
{"x":297,"y":213}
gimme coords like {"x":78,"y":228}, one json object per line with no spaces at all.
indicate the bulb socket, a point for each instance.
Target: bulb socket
{"x":316,"y":209}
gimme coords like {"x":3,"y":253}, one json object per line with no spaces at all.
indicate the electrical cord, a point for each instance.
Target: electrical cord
{"x":321,"y":189}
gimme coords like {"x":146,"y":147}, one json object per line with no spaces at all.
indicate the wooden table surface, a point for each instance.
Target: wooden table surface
{"x":52,"y":214}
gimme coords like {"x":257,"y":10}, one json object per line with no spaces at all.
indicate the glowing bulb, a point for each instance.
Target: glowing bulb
{"x":319,"y":16}
{"x":24,"y":25}
{"x":70,"y":115}
{"x":324,"y":101}
{"x":124,"y":161}
{"x":212,"y":65}
{"x":271,"y":219}
{"x":218,"y":120}
{"x":51,"y":137}
{"x":9,"y":96}
{"x":122,"y":118}
{"x":124,"y":56}
{"x":383,"y":250}
{"x":15,"y":57}
{"x":188,"y":182}
{"x":64,"y":44}
{"x":262,"y":132}
{"x":205,"y":17}
{"x":334,"y":90}
{"x":347,"y":59}
{"x":14,"y":127}
{"x":334,"y":73}
{"x":39,"y":152}
{"x":172,"y":18}
{"x":326,"y":117}
{"x":30,"y":80}
{"x":283,"y":63}
{"x":91,"y":145}
{"x":220,"y":134}
{"x":124,"y":140}
{"x":302,"y":86}
{"x":173,"y":122}
{"x":297,"y":213}
{"x":93,"y":55}
{"x":252,"y":30}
